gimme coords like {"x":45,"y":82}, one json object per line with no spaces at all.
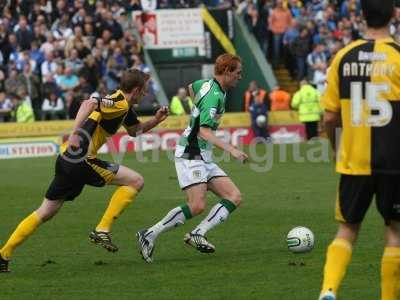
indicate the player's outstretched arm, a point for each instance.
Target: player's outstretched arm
{"x":207,"y":134}
{"x":143,"y":127}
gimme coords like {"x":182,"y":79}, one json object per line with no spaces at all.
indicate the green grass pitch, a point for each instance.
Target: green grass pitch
{"x":251,"y":259}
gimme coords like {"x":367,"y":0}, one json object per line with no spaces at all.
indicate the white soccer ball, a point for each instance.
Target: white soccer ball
{"x":261,"y":121}
{"x":300,"y":240}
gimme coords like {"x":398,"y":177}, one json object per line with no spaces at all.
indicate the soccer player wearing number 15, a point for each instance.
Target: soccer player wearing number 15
{"x":363,"y":92}
{"x":194,"y":166}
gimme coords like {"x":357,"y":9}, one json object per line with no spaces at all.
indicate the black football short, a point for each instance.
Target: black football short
{"x":70,"y":177}
{"x":356,"y":193}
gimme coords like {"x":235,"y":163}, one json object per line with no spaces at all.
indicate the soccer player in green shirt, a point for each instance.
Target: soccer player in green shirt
{"x":194,"y":166}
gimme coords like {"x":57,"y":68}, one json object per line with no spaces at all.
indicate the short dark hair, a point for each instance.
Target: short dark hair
{"x":377,"y":13}
{"x":133,"y":78}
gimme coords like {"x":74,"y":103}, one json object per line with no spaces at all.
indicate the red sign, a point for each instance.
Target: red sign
{"x":166,"y":140}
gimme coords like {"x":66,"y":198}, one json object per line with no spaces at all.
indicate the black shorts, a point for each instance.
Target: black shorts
{"x":71,"y":177}
{"x":357,"y":191}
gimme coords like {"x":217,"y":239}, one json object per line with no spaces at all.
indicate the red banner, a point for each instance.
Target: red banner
{"x":165,"y":140}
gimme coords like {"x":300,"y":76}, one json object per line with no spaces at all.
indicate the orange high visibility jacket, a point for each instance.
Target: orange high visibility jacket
{"x":280,"y":100}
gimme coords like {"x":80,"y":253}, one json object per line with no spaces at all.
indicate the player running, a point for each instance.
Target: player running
{"x":194,"y":166}
{"x":364,"y":93}
{"x":77,"y":164}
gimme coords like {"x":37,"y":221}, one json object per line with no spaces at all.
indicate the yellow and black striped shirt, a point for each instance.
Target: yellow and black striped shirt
{"x":101,"y":124}
{"x":363,"y":84}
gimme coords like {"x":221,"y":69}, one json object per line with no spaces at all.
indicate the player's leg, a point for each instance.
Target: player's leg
{"x":353,"y":200}
{"x":192,"y":179}
{"x":219,"y":183}
{"x":61,"y":189}
{"x":129,"y":185}
{"x":338,"y":257}
{"x":26,"y":228}
{"x":390,"y":267}
{"x":388,"y":203}
{"x":230,"y":196}
{"x":196,"y":202}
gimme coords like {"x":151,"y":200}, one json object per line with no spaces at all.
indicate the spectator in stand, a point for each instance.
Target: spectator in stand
{"x":262,"y":32}
{"x":5,"y":107}
{"x":319,"y":79}
{"x":300,"y":49}
{"x":31,"y":83}
{"x":53,"y":107}
{"x":73,"y":61}
{"x":347,"y":36}
{"x":113,"y":74}
{"x":11,"y":48}
{"x":130,"y":45}
{"x":83,"y":51}
{"x":49,"y":85}
{"x":37,"y":56}
{"x":256,"y":103}
{"x":22,"y":111}
{"x":91,"y":71}
{"x":250,"y":15}
{"x":119,"y":58}
{"x":306,"y":101}
{"x":279,"y":99}
{"x":321,"y":35}
{"x":181,"y":103}
{"x":49,"y":66}
{"x":12,"y":83}
{"x":279,"y":21}
{"x":84,"y":87}
{"x":316,"y":60}
{"x":110,"y":24}
{"x":288,"y":38}
{"x":79,"y":17}
{"x":303,"y":18}
{"x":48,"y":46}
{"x":73,"y":103}
{"x":61,"y":29}
{"x":23,"y":94}
{"x":68,"y":81}
{"x":23,"y":34}
{"x":21,"y":59}
{"x":39,"y":32}
{"x":295,"y":7}
{"x":139,"y":64}
{"x":347,"y":6}
{"x":88,"y":29}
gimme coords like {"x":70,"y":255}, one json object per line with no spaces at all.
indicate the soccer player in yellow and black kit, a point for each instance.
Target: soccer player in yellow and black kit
{"x":363,"y":92}
{"x":77,"y":164}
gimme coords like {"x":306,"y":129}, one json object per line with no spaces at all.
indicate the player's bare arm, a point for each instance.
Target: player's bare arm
{"x":143,"y":127}
{"x":207,"y":134}
{"x":86,"y":108}
{"x":331,"y":122}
